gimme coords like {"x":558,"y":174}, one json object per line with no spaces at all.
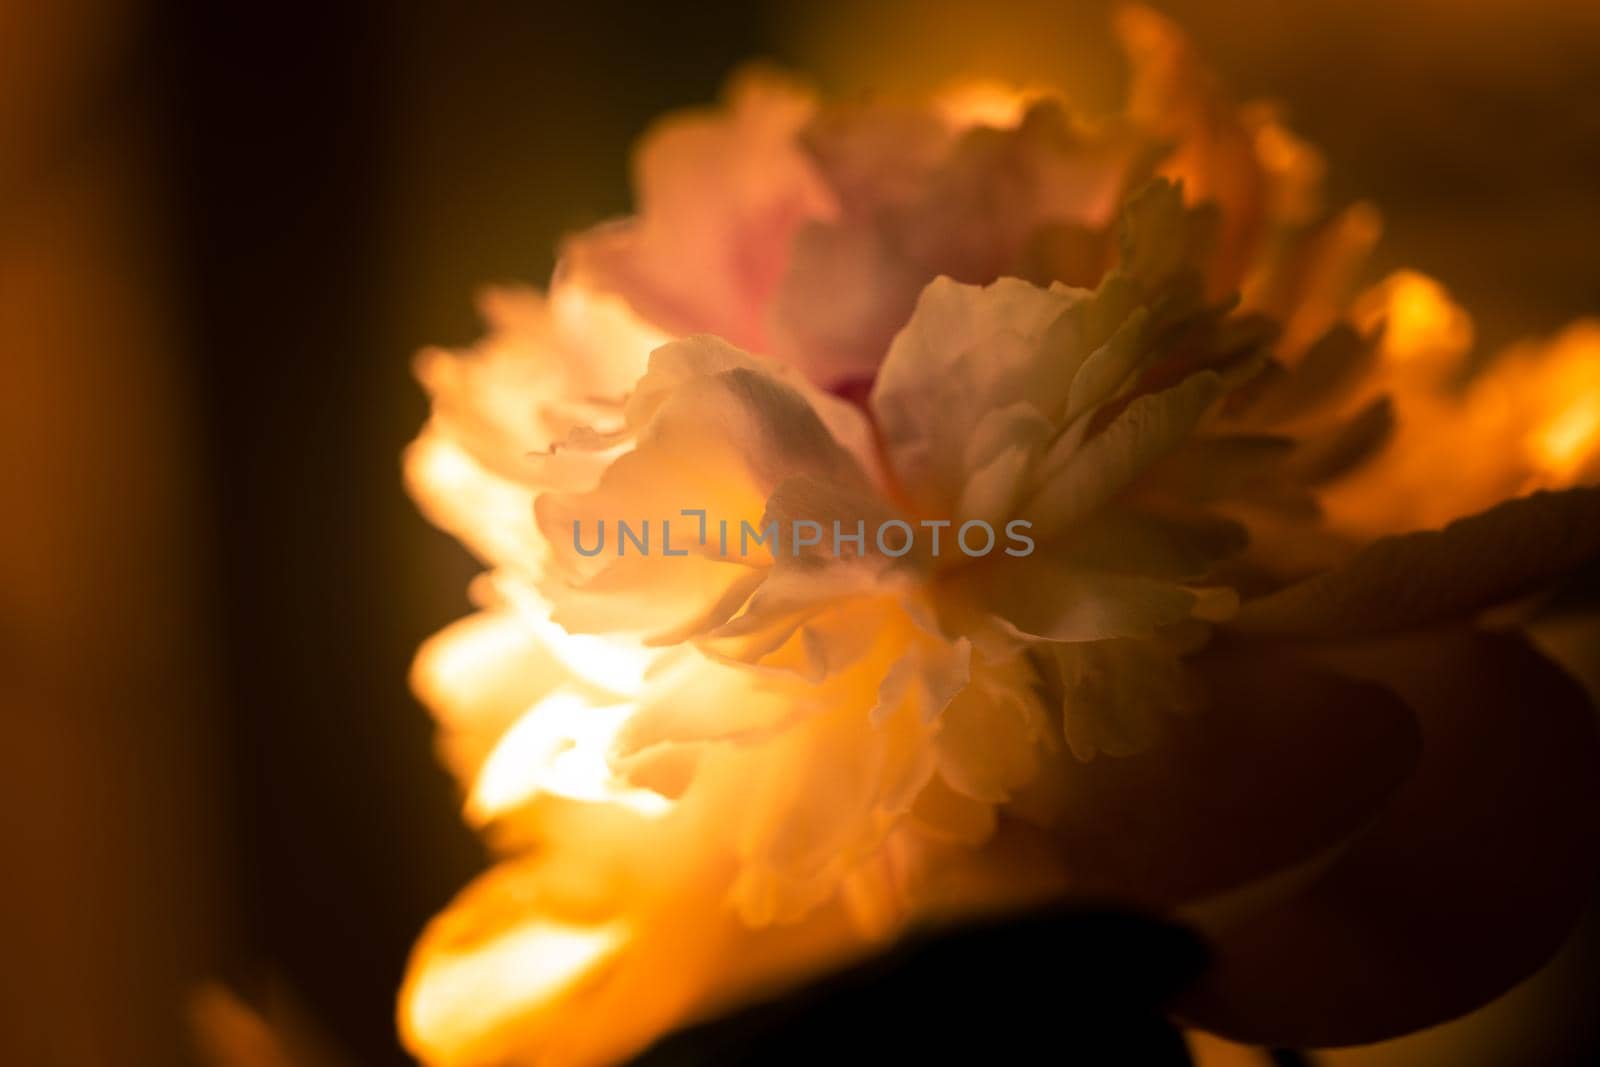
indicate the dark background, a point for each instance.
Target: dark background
{"x":345,"y":182}
{"x":320,"y":191}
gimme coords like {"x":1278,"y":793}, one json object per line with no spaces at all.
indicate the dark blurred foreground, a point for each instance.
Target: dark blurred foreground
{"x":1085,"y":987}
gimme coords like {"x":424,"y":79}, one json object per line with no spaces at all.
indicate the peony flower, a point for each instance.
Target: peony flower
{"x":911,"y":515}
{"x":806,"y":233}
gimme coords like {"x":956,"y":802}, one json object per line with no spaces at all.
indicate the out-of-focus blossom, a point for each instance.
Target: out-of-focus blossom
{"x":806,"y":231}
{"x":1119,"y":368}
{"x":231,"y":1032}
{"x":1467,"y":437}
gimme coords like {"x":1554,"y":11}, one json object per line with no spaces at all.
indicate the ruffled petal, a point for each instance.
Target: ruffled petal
{"x":721,"y":195}
{"x":967,"y":351}
{"x":1088,"y":478}
{"x":716,"y":435}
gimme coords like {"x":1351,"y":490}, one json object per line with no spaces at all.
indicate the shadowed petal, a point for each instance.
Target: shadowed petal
{"x":1472,"y":877}
{"x":1421,"y":578}
{"x":1287,"y":761}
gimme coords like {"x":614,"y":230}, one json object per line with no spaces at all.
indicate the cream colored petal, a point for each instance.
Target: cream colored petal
{"x":546,"y":366}
{"x":715,"y":434}
{"x":1111,"y":361}
{"x":811,"y":625}
{"x":1044,"y":598}
{"x":966,"y":351}
{"x":991,"y":734}
{"x":1092,"y":475}
{"x":1118,"y":695}
{"x":478,"y":676}
{"x":674,"y":366}
{"x":829,"y":792}
{"x":491,"y":515}
{"x":706,"y":703}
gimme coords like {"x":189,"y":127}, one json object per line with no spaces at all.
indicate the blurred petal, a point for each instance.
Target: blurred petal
{"x":478,"y":676}
{"x":1286,"y":761}
{"x":517,"y":971}
{"x":1421,"y":578}
{"x":1041,"y":597}
{"x":1472,"y":876}
{"x":974,"y":208}
{"x":990,"y":735}
{"x":1179,"y":99}
{"x":721,"y":194}
{"x":1118,"y":694}
{"x":717,"y":432}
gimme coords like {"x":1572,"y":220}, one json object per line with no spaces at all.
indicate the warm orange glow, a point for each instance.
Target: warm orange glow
{"x":613,"y":664}
{"x":984,"y":103}
{"x":452,"y":667}
{"x":489,"y":513}
{"x":1422,"y":327}
{"x":1528,"y":420}
{"x":1564,"y":380}
{"x":465,"y":992}
{"x":1564,"y":444}
{"x":559,"y":747}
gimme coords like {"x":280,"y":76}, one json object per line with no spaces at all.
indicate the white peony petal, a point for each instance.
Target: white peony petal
{"x":966,"y":351}
{"x":1107,"y":463}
